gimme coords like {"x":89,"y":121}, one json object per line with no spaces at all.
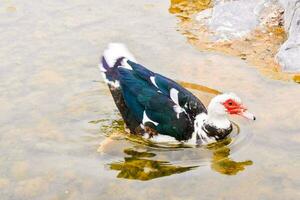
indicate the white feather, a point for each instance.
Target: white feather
{"x":147,"y":119}
{"x":174,"y":95}
{"x":152,"y":78}
{"x":115,"y":51}
{"x":102,"y":69}
{"x":217,"y":114}
{"x":115,"y":83}
{"x":163,"y":139}
{"x":178,"y":110}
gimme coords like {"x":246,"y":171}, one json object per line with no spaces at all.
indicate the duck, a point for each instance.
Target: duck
{"x":161,"y":110}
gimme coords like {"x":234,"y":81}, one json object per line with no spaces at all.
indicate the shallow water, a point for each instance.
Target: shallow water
{"x":54,"y":108}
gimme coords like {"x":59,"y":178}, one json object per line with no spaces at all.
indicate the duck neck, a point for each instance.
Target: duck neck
{"x":200,"y":135}
{"x":218,"y":121}
{"x":217,"y":116}
{"x":212,"y":126}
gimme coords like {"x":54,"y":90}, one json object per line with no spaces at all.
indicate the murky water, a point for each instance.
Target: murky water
{"x":59,"y":126}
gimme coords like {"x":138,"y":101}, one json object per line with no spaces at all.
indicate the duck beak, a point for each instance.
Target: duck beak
{"x":248,"y":115}
{"x":244,"y":113}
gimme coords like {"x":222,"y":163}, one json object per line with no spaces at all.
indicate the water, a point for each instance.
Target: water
{"x":54,"y":108}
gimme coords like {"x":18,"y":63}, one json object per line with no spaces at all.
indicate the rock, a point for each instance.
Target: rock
{"x":232,"y":19}
{"x":288,"y":55}
{"x":204,"y":15}
{"x":290,"y":6}
{"x":225,"y":22}
{"x":271,"y":15}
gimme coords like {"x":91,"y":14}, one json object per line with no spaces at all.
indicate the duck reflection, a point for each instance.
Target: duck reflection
{"x":142,"y":165}
{"x":222,"y":163}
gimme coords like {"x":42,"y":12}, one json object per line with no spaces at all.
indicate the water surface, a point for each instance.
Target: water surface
{"x":51,"y":91}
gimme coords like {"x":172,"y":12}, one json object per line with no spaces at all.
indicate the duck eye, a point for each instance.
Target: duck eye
{"x":230,"y":103}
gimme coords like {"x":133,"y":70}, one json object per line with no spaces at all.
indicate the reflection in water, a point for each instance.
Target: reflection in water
{"x":297,"y":78}
{"x":185,"y":8}
{"x":143,"y":159}
{"x":139,"y":166}
{"x":142,"y":165}
{"x":199,"y":87}
{"x":221,"y":162}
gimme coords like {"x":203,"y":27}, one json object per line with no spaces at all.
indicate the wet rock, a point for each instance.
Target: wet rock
{"x":289,"y":53}
{"x":234,"y":19}
{"x":229,"y":20}
{"x":271,"y":15}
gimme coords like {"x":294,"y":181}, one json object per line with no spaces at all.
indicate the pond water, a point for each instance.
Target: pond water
{"x":61,"y":136}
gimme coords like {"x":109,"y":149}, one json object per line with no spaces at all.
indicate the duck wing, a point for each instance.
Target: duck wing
{"x":153,"y":108}
{"x":181,"y":96}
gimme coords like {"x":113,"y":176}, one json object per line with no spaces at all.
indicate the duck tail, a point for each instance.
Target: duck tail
{"x":113,"y":58}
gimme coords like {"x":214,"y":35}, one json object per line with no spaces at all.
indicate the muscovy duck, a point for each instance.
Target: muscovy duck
{"x":161,"y":110}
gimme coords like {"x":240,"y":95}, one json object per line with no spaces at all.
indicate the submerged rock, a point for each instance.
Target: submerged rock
{"x":289,"y":53}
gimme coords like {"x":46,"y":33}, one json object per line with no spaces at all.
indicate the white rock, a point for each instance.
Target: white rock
{"x":232,"y":19}
{"x":204,"y":15}
{"x":289,"y":53}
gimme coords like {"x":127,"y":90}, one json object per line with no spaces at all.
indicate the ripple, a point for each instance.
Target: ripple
{"x":143,"y":159}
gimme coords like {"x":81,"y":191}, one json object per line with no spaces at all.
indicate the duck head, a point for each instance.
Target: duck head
{"x":227,"y":104}
{"x":215,"y":125}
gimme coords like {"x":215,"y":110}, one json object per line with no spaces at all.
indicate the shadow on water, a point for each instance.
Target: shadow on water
{"x":145,"y":160}
{"x":140,"y":166}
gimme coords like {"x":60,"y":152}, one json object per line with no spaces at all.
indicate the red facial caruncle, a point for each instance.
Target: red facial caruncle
{"x":233,"y":107}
